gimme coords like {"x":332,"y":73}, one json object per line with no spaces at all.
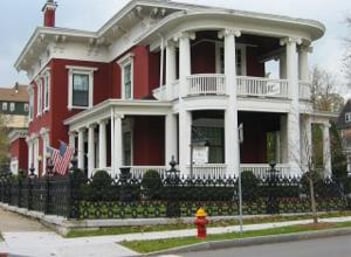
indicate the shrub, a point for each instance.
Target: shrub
{"x":151,"y":184}
{"x":249,"y":185}
{"x":100,"y":188}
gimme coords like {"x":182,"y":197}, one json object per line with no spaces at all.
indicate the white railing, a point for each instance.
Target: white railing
{"x":160,"y":93}
{"x":262,"y":169}
{"x":305,"y":90}
{"x":213,"y":170}
{"x":206,"y":84}
{"x":139,"y":171}
{"x":262,"y":87}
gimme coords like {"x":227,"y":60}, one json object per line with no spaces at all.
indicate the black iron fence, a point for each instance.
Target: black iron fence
{"x":75,"y":196}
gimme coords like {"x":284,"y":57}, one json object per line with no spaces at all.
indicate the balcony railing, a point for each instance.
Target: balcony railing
{"x":213,"y":170}
{"x":215,"y":84}
{"x":262,"y":169}
{"x":206,"y":84}
{"x":262,"y":87}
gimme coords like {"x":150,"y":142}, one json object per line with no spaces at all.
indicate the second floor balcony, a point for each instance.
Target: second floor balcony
{"x":246,"y":86}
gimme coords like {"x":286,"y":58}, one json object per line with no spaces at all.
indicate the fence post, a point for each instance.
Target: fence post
{"x":172,"y":182}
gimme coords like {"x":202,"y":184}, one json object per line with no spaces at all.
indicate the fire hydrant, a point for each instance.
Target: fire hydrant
{"x":201,"y":221}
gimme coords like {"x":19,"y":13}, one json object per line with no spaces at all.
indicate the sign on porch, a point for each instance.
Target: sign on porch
{"x":200,"y":154}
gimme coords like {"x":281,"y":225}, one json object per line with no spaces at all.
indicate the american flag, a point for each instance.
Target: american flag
{"x":61,"y":157}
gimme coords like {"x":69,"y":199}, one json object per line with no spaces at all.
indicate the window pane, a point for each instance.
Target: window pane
{"x":80,"y":90}
{"x":128,"y":81}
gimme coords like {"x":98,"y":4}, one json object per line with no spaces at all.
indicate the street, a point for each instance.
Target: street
{"x":326,"y":247}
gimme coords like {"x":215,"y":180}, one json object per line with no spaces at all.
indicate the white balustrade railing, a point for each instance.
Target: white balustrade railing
{"x":175,"y":89}
{"x":139,"y":171}
{"x":160,"y":93}
{"x":213,"y":170}
{"x":206,"y":84}
{"x":305,"y":88}
{"x":262,"y":87}
{"x":262,"y":169}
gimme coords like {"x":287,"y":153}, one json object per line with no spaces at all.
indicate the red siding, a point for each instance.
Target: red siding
{"x":203,"y":58}
{"x":49,"y":18}
{"x":141,"y":72}
{"x":148,"y":141}
{"x":18,"y":148}
{"x":154,"y":71}
{"x":253,"y":66}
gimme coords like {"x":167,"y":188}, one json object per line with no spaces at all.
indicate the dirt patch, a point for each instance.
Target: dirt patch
{"x":317,"y":226}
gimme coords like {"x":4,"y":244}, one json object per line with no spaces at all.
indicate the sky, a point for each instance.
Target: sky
{"x":19,"y":18}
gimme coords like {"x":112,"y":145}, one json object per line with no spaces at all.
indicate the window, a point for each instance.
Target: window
{"x":80,"y":91}
{"x":31,"y":103}
{"x":126,"y":64}
{"x":348,"y":117}
{"x":12,"y":107}
{"x":4,"y":106}
{"x":26,"y":107}
{"x":39,"y":97}
{"x":80,"y":95}
{"x":46,"y":89}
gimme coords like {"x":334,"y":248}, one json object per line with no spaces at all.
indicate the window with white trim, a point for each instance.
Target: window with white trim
{"x":4,"y":106}
{"x":39,"y":97}
{"x":46,"y":89}
{"x":80,"y":88}
{"x":26,"y":107}
{"x":126,"y":64}
{"x":12,"y":107}
{"x":348,"y":117}
{"x":31,"y":104}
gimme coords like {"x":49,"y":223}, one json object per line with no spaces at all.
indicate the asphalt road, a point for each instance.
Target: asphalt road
{"x":326,"y":247}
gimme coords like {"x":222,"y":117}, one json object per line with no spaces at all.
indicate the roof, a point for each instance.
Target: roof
{"x":18,"y":93}
{"x":172,"y":12}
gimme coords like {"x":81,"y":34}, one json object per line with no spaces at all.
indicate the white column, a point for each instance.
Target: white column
{"x":30,"y":153}
{"x":304,"y":73}
{"x":185,"y":118}
{"x":80,"y":152}
{"x":91,"y":149}
{"x":185,"y":121}
{"x":170,"y":68}
{"x":102,"y":144}
{"x":118,"y":142}
{"x":326,"y":150}
{"x":232,"y":147}
{"x":306,"y":143}
{"x":170,"y":138}
{"x":184,"y":61}
{"x":72,"y":138}
{"x":294,"y":150}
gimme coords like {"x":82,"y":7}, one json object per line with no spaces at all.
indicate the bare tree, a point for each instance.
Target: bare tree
{"x":325,"y":91}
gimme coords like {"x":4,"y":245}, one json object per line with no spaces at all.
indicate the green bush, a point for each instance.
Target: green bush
{"x":151,"y":184}
{"x":100,"y":187}
{"x":249,"y":185}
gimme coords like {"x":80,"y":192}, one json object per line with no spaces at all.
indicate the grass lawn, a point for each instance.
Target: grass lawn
{"x":147,"y":246}
{"x":182,"y":225}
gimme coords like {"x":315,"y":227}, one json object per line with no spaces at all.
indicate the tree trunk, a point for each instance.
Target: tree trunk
{"x":313,"y":202}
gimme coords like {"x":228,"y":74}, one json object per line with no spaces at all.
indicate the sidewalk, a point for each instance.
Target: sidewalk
{"x":48,"y":244}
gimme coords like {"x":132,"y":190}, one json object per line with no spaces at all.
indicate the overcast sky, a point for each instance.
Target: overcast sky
{"x":19,"y":18}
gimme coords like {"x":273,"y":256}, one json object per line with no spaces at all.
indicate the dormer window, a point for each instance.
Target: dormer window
{"x":4,"y":106}
{"x":126,"y":64}
{"x":347,"y":117}
{"x":80,"y":87}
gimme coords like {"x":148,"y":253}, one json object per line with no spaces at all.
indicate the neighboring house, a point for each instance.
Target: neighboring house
{"x":14,"y":108}
{"x":160,"y":76}
{"x":344,"y":125}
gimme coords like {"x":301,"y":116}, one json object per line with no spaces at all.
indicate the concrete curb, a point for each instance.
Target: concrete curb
{"x":213,"y":245}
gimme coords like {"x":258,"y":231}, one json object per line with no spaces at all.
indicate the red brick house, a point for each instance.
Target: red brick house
{"x":160,"y":76}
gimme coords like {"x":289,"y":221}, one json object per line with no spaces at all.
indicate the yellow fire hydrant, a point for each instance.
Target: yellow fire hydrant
{"x":201,"y":221}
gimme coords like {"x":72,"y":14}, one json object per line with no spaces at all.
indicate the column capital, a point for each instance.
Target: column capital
{"x":118,"y":116}
{"x":72,"y":132}
{"x":171,"y":44}
{"x":103,"y":122}
{"x":290,"y":40}
{"x":184,"y":35}
{"x":305,"y":48}
{"x":92,"y":125}
{"x":229,"y":32}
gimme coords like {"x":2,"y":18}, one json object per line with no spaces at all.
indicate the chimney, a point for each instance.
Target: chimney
{"x":49,"y":13}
